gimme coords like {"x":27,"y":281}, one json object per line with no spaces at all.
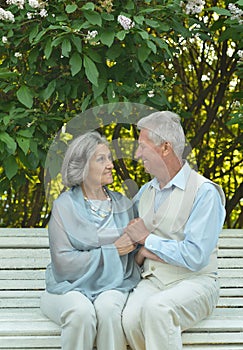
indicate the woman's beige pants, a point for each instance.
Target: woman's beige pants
{"x":84,"y":323}
{"x":155,"y":315}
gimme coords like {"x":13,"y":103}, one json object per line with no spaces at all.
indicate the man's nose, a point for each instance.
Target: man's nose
{"x":138,"y":153}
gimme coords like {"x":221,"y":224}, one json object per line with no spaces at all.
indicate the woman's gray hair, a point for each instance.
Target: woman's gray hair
{"x":164,"y":126}
{"x":76,"y":160}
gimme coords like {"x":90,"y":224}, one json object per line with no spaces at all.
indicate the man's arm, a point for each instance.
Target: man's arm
{"x":200,"y":233}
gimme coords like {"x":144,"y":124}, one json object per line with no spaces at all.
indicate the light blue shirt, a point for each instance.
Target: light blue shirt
{"x":201,"y":231}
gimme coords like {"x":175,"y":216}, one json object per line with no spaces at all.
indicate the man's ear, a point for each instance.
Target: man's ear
{"x":165,"y":148}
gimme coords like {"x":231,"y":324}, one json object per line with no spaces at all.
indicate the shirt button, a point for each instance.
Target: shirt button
{"x":152,"y":268}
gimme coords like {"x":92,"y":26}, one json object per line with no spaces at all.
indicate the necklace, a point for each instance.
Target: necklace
{"x":99,"y":207}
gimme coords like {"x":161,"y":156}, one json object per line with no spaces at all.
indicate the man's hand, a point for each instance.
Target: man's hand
{"x":137,"y":231}
{"x":145,"y":253}
{"x":124,"y":245}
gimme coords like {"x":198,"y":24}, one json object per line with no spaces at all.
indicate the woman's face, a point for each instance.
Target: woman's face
{"x":100,"y":167}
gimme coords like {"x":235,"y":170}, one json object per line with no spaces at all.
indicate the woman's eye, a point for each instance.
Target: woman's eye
{"x":101,"y":159}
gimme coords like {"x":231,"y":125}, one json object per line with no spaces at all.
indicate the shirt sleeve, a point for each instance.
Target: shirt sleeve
{"x":201,"y":233}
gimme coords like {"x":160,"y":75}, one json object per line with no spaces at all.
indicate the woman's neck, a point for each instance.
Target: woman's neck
{"x":92,"y":192}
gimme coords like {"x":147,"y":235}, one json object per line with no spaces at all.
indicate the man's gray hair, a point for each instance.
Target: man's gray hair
{"x":76,"y":160}
{"x":164,"y":126}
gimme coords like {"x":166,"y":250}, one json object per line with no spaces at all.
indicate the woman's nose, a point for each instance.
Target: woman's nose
{"x":109,"y":164}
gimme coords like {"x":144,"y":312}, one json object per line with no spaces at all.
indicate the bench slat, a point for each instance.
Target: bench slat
{"x":213,"y":338}
{"x":28,"y":341}
{"x":24,"y":254}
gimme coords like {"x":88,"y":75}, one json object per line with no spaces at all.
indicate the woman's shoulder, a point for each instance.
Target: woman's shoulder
{"x":117,"y":195}
{"x":62,"y":198}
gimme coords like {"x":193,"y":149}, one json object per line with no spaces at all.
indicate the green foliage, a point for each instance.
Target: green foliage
{"x":64,"y":57}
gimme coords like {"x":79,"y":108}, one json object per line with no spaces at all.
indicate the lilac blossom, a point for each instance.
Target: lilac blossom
{"x":125,"y":22}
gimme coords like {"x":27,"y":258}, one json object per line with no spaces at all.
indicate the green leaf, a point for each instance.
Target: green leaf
{"x":93,"y":18}
{"x":71,"y":8}
{"x":9,"y":141}
{"x":107,"y":16}
{"x":5,"y":74}
{"x":107,"y":38}
{"x":91,"y":70}
{"x":75,"y":63}
{"x":152,"y":46}
{"x":219,"y":11}
{"x":138,"y":19}
{"x":10,"y":166}
{"x":239,"y":2}
{"x":144,"y":34}
{"x":46,"y":94}
{"x":66,"y":47}
{"x":77,"y":42}
{"x":152,"y":23}
{"x":48,"y":48}
{"x":85,"y":103}
{"x":25,"y":96}
{"x":24,"y":143}
{"x":98,"y":90}
{"x":114,"y":51}
{"x":26,"y":133}
{"x":95,"y":56}
{"x":33,"y":33}
{"x":143,"y":53}
{"x":129,"y":5}
{"x":88,"y":6}
{"x":121,"y":35}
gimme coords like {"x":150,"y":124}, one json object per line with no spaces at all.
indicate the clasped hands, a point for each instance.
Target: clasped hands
{"x":135,"y":233}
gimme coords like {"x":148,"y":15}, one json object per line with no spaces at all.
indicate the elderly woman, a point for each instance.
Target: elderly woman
{"x":92,"y":265}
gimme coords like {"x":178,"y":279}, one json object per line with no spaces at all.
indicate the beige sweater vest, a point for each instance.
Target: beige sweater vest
{"x":169,"y":222}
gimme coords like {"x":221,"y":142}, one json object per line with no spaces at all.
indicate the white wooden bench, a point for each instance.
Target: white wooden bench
{"x":24,"y":254}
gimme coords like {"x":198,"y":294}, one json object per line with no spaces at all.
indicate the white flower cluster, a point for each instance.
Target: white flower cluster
{"x":240,"y":53}
{"x":18,"y":54}
{"x":125,"y":22}
{"x":35,"y":4}
{"x":4,"y":39}
{"x":6,"y":15}
{"x":193,"y":6}
{"x":236,"y":13}
{"x":91,"y":34}
{"x":150,"y":93}
{"x":18,"y":3}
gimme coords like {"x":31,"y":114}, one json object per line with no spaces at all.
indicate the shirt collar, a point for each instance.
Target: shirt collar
{"x":179,"y":180}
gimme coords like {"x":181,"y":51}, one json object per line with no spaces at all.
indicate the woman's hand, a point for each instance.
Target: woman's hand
{"x":124,"y":244}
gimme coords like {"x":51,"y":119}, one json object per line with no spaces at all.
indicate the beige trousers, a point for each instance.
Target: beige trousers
{"x":155,"y":315}
{"x":84,"y":323}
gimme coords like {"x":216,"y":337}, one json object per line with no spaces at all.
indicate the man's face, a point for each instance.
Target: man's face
{"x":149,"y":153}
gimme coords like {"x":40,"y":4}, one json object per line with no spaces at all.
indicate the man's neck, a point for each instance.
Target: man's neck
{"x":172,"y":169}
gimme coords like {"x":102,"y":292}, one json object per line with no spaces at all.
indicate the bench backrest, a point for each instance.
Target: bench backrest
{"x":24,"y":254}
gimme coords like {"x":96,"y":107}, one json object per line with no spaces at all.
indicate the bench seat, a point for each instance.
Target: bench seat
{"x":24,"y":254}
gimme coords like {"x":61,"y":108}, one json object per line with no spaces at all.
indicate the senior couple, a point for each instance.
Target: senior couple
{"x":116,"y":279}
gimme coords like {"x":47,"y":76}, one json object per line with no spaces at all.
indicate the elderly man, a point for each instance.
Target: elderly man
{"x":181,"y":214}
